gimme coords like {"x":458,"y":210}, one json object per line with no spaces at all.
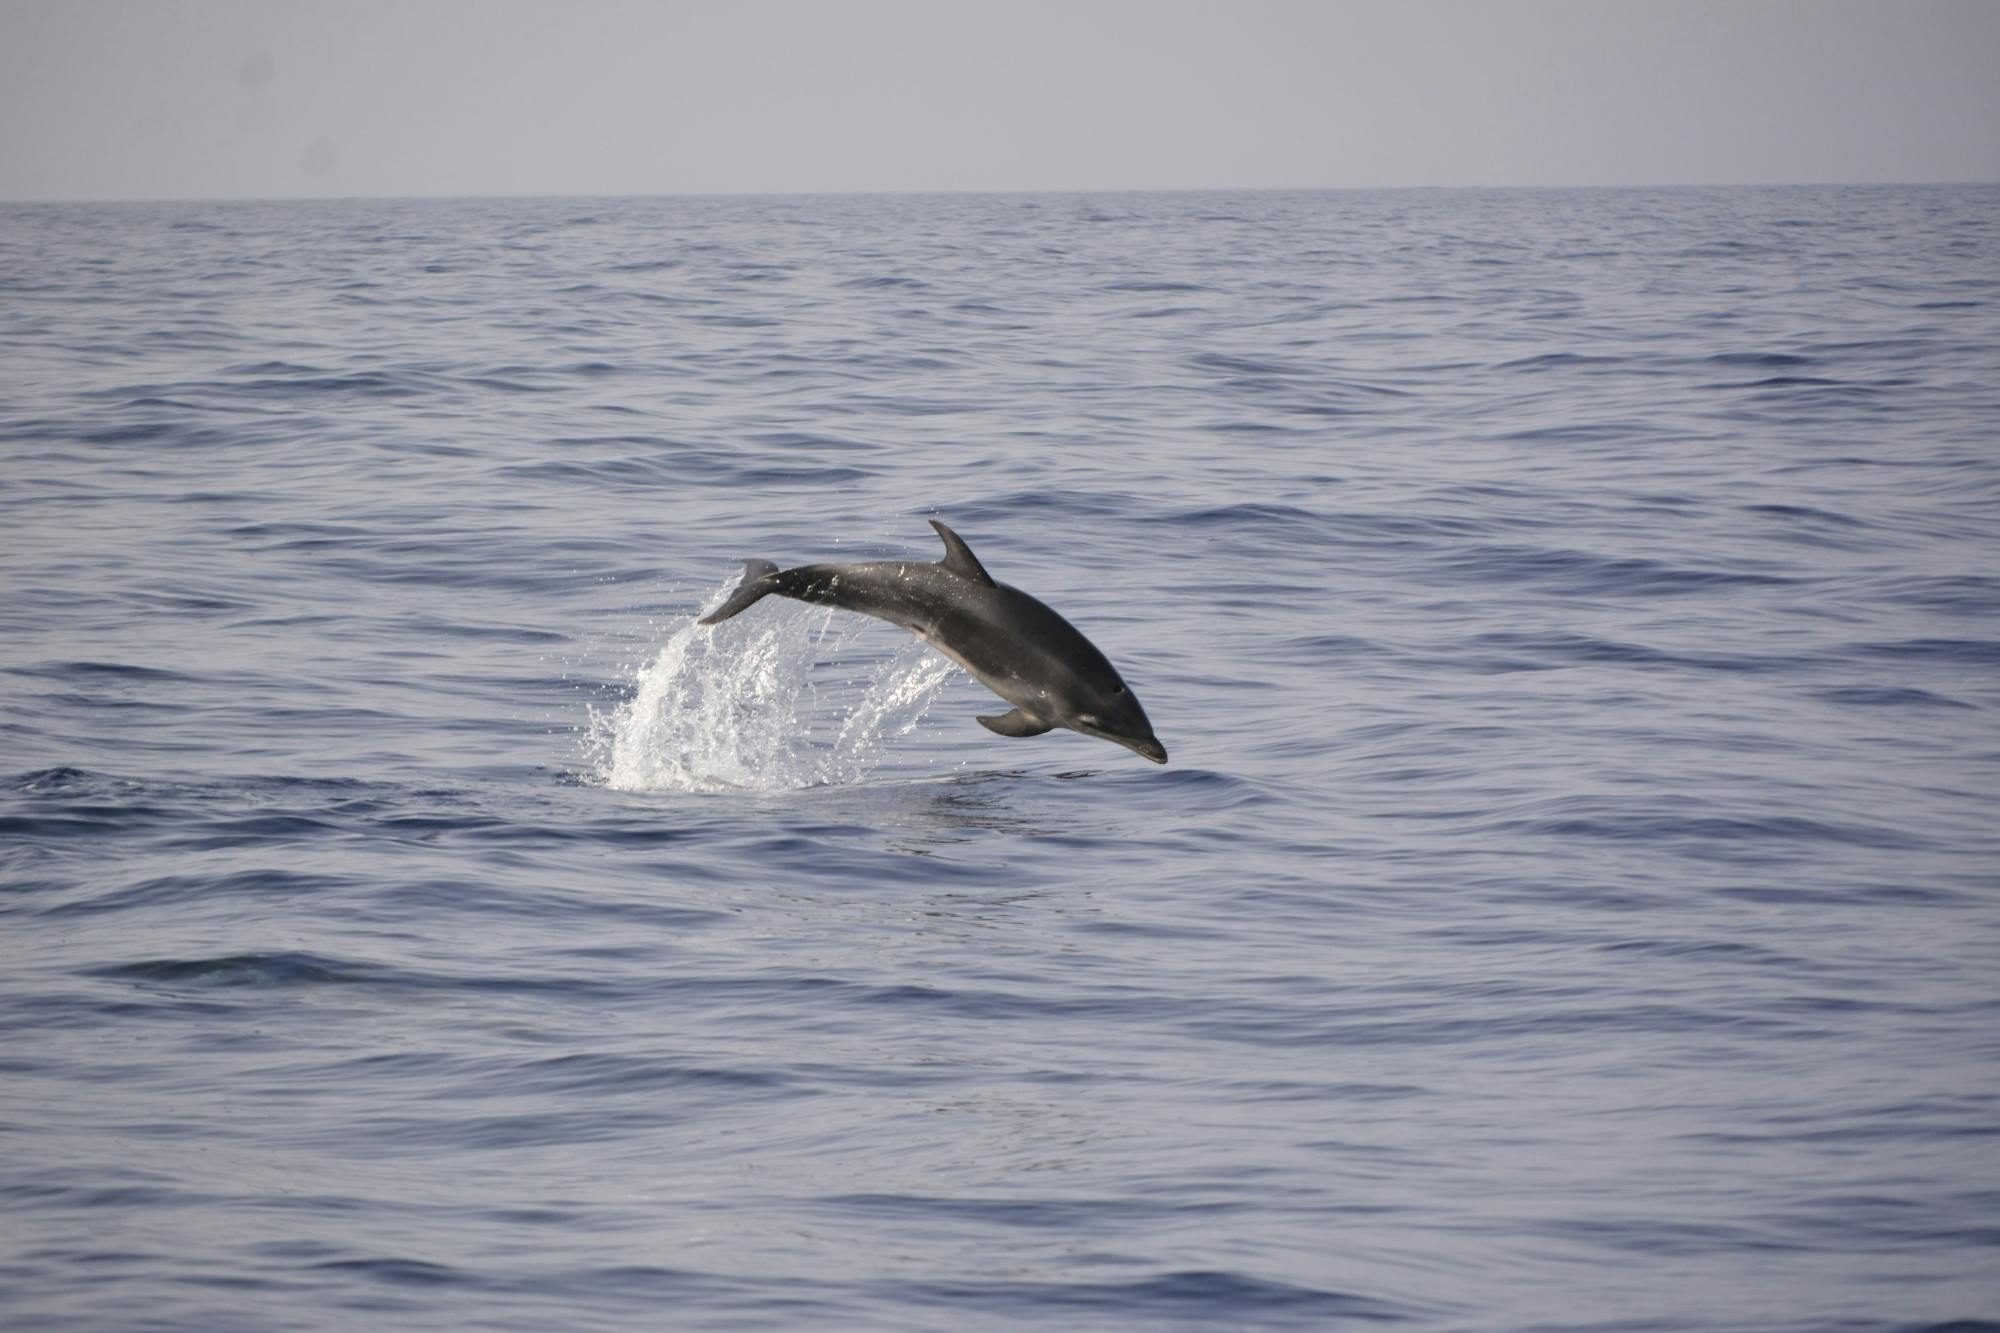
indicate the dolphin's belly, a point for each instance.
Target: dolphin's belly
{"x":997,"y":678}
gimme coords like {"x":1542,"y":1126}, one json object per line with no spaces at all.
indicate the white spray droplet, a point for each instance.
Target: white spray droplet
{"x":773,"y":700}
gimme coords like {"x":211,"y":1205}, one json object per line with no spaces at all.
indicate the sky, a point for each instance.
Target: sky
{"x":172,"y":99}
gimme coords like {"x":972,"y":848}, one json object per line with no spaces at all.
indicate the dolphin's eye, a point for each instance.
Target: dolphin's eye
{"x":1118,"y":689}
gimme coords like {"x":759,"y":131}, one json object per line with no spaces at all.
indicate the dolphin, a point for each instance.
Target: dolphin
{"x":1012,"y":644}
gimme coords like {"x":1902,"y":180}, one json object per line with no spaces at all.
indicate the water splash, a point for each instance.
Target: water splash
{"x":772,"y":701}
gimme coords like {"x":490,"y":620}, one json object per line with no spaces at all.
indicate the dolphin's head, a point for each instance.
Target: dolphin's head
{"x":1114,"y":714}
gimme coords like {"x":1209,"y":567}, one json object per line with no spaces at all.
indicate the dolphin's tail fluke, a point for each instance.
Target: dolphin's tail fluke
{"x":756,"y":585}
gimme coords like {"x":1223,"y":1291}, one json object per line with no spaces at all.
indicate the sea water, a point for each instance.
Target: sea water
{"x":1573,"y":903}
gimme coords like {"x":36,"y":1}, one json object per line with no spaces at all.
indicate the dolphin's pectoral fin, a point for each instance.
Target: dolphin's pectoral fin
{"x":756,"y":585}
{"x":1016,"y":723}
{"x":959,"y":559}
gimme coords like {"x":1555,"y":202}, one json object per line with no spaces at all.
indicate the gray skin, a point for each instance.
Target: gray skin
{"x":1012,"y":644}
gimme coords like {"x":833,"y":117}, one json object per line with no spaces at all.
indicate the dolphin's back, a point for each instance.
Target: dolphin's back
{"x":913,"y":594}
{"x":995,"y":631}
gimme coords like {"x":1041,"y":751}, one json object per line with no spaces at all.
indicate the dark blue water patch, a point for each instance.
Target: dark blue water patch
{"x":1001,"y":510}
{"x":1761,"y":360}
{"x":1784,"y":382}
{"x":299,"y":534}
{"x":177,"y":433}
{"x":524,"y":834}
{"x":269,"y":829}
{"x":85,"y":824}
{"x":1239,"y":365}
{"x":1318,"y":646}
{"x":1694,"y":828}
{"x":538,"y":1294}
{"x":606,"y":1074}
{"x":1516,"y":650}
{"x":1951,"y":594}
{"x":1629,"y":1235}
{"x":1545,"y":361}
{"x":459,"y":629}
{"x":1879,"y":894}
{"x":810,"y":441}
{"x":398,"y":1272}
{"x":1528,"y":1021}
{"x":878,"y":281}
{"x":1079,"y":1214}
{"x":1200,"y":1298}
{"x":403,"y":1134}
{"x":214,"y":1015}
{"x":802,"y":476}
{"x":180,"y":600}
{"x":1806,"y":513}
{"x":1952,"y":1116}
{"x":1285,"y":1090}
{"x":101,"y":671}
{"x":756,"y":272}
{"x":1154,"y":286}
{"x":309,"y":384}
{"x":606,"y":472}
{"x":439,"y":564}
{"x":737,"y":321}
{"x":503,"y":384}
{"x":449,"y":899}
{"x":86,"y":1197}
{"x":294,"y":970}
{"x":1952,"y":652}
{"x":262,"y":970}
{"x":1591,"y":432}
{"x":1251,"y":514}
{"x":1890,"y":1220}
{"x":1798,"y":398}
{"x":442,"y":1078}
{"x":267,"y":886}
{"x":1887,"y":696}
{"x":1733,"y":953}
{"x":1586,"y":574}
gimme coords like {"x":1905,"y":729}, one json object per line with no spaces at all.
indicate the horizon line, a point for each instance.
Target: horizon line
{"x":981,"y":191}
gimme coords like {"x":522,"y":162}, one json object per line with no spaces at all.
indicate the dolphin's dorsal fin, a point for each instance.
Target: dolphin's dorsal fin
{"x":958,"y":557}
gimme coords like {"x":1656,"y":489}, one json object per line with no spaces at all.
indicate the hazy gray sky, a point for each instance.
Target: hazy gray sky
{"x":229,"y":98}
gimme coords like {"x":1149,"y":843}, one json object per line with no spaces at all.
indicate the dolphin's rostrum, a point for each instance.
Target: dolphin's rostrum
{"x":1014,"y":645}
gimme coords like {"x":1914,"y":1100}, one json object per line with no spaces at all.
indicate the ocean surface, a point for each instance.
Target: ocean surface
{"x":1573,"y":901}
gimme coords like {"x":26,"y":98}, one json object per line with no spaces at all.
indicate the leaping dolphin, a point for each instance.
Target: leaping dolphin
{"x":1012,"y":644}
